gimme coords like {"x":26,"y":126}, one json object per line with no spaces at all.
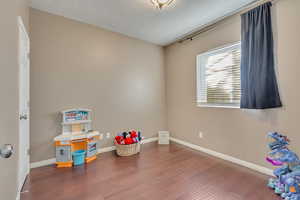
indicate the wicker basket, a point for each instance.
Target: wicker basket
{"x":127,"y":150}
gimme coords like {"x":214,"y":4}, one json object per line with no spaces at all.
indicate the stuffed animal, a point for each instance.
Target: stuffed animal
{"x":125,"y":134}
{"x":120,"y":139}
{"x":133,"y":134}
{"x":135,"y":140}
{"x":140,"y":136}
{"x":127,"y":138}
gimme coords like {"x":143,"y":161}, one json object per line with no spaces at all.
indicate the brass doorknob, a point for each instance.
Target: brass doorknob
{"x":6,"y":151}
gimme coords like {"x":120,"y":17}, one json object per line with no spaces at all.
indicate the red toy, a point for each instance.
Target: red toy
{"x":133,"y":134}
{"x":127,"y":138}
{"x":120,"y":139}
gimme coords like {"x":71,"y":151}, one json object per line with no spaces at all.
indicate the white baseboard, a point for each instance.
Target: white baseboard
{"x":148,"y":140}
{"x":42,"y":163}
{"x":243,"y":163}
{"x":101,"y":150}
{"x":106,"y":149}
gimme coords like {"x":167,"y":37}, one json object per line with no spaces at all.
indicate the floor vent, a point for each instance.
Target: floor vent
{"x":163,"y":137}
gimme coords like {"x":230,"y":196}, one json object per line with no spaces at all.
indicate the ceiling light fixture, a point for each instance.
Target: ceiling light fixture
{"x":160,"y":4}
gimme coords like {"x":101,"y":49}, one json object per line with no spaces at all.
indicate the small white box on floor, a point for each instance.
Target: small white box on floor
{"x":163,"y":137}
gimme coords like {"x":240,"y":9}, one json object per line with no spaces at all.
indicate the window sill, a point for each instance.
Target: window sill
{"x":207,"y":105}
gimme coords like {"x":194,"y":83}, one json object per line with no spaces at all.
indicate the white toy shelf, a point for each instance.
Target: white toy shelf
{"x":76,"y":121}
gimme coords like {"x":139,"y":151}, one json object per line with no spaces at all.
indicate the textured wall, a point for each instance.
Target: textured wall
{"x":78,"y":65}
{"x":235,"y":132}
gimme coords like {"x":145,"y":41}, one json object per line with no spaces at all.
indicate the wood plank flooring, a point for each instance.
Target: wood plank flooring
{"x":169,"y":172}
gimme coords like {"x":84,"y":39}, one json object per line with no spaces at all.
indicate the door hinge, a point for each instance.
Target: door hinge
{"x":28,"y":152}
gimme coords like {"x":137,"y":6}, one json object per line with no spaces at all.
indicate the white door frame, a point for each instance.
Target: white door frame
{"x":23,"y":134}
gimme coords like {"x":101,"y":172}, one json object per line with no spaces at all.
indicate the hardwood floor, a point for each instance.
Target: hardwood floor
{"x":169,"y":172}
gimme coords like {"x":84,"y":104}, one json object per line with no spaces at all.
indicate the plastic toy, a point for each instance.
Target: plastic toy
{"x":78,"y":157}
{"x":77,"y":140}
{"x":287,"y":175}
{"x":292,"y":180}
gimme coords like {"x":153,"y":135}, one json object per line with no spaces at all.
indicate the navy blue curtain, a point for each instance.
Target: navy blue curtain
{"x":258,"y":78}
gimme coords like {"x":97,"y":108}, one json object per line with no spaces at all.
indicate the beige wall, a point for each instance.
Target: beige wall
{"x":77,"y":65}
{"x":9,"y":11}
{"x":23,"y":11}
{"x":235,"y":132}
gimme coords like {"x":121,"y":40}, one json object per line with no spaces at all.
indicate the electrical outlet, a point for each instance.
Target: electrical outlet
{"x":200,"y":135}
{"x":107,"y":135}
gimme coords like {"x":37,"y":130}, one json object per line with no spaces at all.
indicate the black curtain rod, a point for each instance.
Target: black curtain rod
{"x":216,"y":22}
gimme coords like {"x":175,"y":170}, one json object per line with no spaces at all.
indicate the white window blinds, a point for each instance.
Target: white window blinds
{"x":218,"y":77}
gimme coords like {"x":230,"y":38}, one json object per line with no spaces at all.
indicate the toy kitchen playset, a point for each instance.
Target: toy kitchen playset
{"x":78,"y":143}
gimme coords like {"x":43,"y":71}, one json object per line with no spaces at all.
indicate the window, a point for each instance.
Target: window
{"x":218,"y":77}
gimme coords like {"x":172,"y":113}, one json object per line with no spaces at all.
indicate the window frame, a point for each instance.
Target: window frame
{"x":200,"y":72}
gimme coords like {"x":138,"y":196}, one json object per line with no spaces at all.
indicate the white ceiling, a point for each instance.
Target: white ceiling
{"x":139,"y":19}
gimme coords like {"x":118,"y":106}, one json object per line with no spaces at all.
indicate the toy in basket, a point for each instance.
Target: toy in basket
{"x":128,"y":143}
